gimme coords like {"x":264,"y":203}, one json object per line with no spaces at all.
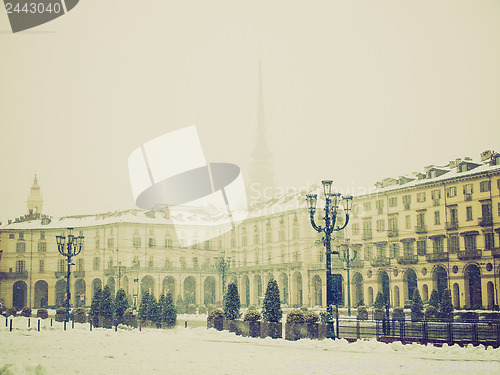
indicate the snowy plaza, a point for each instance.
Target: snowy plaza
{"x":196,"y":350}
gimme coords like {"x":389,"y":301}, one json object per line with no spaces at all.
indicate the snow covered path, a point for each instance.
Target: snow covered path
{"x":202,"y":351}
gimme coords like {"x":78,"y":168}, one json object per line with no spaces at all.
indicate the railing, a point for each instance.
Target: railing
{"x":79,"y":273}
{"x":437,"y":257}
{"x":408,"y":259}
{"x":485,"y":221}
{"x":469,"y":254}
{"x":393,"y":233}
{"x":367,"y":236}
{"x":380,"y":262}
{"x":422,"y":228}
{"x":495,"y":252}
{"x":61,"y":274}
{"x":14,"y":275}
{"x":452,"y":225}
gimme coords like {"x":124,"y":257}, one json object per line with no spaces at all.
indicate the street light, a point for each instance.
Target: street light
{"x":345,"y":257}
{"x":332,"y":201}
{"x":223,"y":266}
{"x":70,"y":249}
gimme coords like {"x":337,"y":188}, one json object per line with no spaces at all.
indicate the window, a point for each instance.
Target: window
{"x":20,"y":247}
{"x":296,"y":256}
{"x":470,"y":242}
{"x":282,"y":234}
{"x":11,"y":236}
{"x":168,"y":242}
{"x":20,"y":266}
{"x":453,"y":244}
{"x":207,"y":245}
{"x":355,"y":226}
{"x":110,"y":264}
{"x":295,"y":233}
{"x":244,"y":240}
{"x":21,"y":235}
{"x":393,"y":226}
{"x":42,"y":247}
{"x":256,"y":238}
{"x":407,"y":202}
{"x":451,"y":192}
{"x":380,"y":250}
{"x":421,"y":247}
{"x":408,"y":248}
{"x":407,"y":221}
{"x":498,"y":209}
{"x":438,"y":245}
{"x":282,"y":254}
{"x":97,"y":243}
{"x":489,"y":241}
{"x":486,"y":211}
{"x":394,"y":250}
{"x":436,"y":196}
{"x":110,"y":243}
{"x":380,"y":225}
{"x":151,"y":242}
{"x":367,"y":229}
{"x":393,"y":202}
{"x":195,"y":262}
{"x":136,"y":242}
{"x":453,"y":215}
{"x":61,"y":265}
{"x":81,"y":265}
{"x":421,"y":220}
{"x":468,"y":192}
{"x":368,"y":252}
{"x":183,"y":262}
{"x":484,"y":186}
{"x":437,"y":218}
{"x":269,"y":237}
{"x":42,"y":235}
{"x":151,"y":262}
{"x":367,"y":206}
{"x":41,"y":267}
{"x":233,"y":242}
{"x":321,"y":256}
{"x":380,"y":206}
{"x":468,"y":213}
{"x":96,"y":264}
{"x":421,"y":197}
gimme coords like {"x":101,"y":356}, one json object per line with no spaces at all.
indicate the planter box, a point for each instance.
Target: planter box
{"x":417,"y":317}
{"x":271,"y":329}
{"x":295,"y":331}
{"x":166,"y":326}
{"x":218,"y":324}
{"x":251,"y":329}
{"x":233,"y":326}
{"x":322,"y":330}
{"x":105,"y":322}
{"x":60,"y":317}
{"x":379,"y":314}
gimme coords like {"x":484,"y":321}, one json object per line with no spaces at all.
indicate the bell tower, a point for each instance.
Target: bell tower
{"x":35,"y":200}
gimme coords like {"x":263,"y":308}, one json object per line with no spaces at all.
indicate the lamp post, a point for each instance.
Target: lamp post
{"x":69,"y":250}
{"x":345,"y":256}
{"x":332,"y":201}
{"x":223,"y":266}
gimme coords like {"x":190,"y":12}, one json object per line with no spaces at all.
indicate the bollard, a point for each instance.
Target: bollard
{"x":90,"y":326}
{"x":6,"y":321}
{"x":11,"y":325}
{"x":73,"y":323}
{"x":185,"y":324}
{"x":51,"y":322}
{"x":38,"y":325}
{"x":139,"y":327}
{"x":65,"y":325}
{"x":29,"y":322}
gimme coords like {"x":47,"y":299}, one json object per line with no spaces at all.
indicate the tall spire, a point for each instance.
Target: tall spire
{"x":35,"y":200}
{"x":261,"y":168}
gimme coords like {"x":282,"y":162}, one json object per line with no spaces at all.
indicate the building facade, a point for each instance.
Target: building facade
{"x":434,"y":230}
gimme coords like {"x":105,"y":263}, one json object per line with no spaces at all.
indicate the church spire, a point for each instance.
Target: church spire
{"x":35,"y":200}
{"x":261,"y":168}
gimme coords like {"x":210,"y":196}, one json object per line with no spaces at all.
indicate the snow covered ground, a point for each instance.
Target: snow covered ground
{"x":201,"y":351}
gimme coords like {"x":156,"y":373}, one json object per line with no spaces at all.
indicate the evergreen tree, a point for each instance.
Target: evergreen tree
{"x":434,"y":300}
{"x":106,"y":307}
{"x":121,"y":304}
{"x":168,"y":311}
{"x":232,"y":303}
{"x":95,"y":306}
{"x":446,"y":306}
{"x":180,"y":306}
{"x":155,"y":311}
{"x":417,"y":306}
{"x":271,"y":309}
{"x":379,"y":301}
{"x":145,"y":306}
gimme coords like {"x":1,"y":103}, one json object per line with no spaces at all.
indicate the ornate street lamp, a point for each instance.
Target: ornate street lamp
{"x":332,"y":201}
{"x":69,"y":250}
{"x":345,"y":257}
{"x":223,"y":266}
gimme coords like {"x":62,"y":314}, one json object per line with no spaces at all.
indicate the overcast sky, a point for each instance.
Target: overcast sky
{"x":354,"y":91}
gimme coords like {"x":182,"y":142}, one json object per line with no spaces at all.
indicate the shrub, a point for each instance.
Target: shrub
{"x":191,"y":309}
{"x":168,"y":311}
{"x":129,"y":318}
{"x":95,"y":305}
{"x":252,"y":308}
{"x":311,"y":317}
{"x":304,"y":308}
{"x":271,"y":309}
{"x":121,"y":304}
{"x":434,"y":300}
{"x":232,"y":303}
{"x":252,"y":316}
{"x":80,"y":315}
{"x":42,"y":313}
{"x":446,"y":306}
{"x":295,"y":316}
{"x":60,"y":314}
{"x":145,"y":306}
{"x":217,"y":314}
{"x":202,"y":309}
{"x":362,"y":313}
{"x":417,"y":305}
{"x":11,"y":312}
{"x":398,"y":313}
{"x":378,"y":313}
{"x":431,"y":312}
{"x":106,"y":307}
{"x":325,"y":317}
{"x":379,"y":301}
{"x":180,"y":306}
{"x":211,"y":308}
{"x":26,"y":312}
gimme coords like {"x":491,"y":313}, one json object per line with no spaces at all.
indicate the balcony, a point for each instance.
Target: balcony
{"x":14,"y":275}
{"x":79,"y":273}
{"x":422,"y":228}
{"x":469,"y":254}
{"x":61,"y":274}
{"x":452,"y":225}
{"x":485,"y":221}
{"x":357,"y":263}
{"x":437,"y":257}
{"x":495,"y":252}
{"x":380,"y":262}
{"x":408,"y":259}
{"x":109,"y":272}
{"x":367,"y":236}
{"x":393,"y":233}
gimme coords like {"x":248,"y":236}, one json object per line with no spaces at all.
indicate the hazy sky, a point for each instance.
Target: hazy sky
{"x":354,"y":91}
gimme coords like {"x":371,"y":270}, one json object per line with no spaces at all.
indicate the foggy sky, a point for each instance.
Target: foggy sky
{"x":353,"y":91}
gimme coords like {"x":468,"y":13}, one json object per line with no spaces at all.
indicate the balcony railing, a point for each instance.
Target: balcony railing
{"x":469,"y":254}
{"x":61,"y":274}
{"x":408,"y":259}
{"x":422,"y":228}
{"x":437,"y":257}
{"x":367,"y":236}
{"x":495,"y":252}
{"x":393,"y":233}
{"x":14,"y":275}
{"x":79,"y":273}
{"x":357,"y":263}
{"x":452,"y":225}
{"x":380,"y":262}
{"x":485,"y":221}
